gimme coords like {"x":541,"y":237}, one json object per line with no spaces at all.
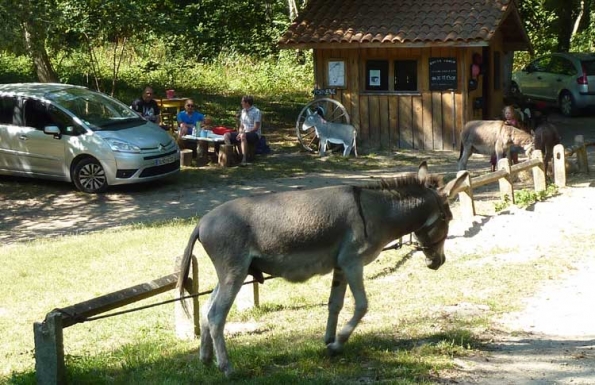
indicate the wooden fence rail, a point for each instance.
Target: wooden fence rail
{"x":504,"y":176}
{"x":505,"y":173}
{"x":48,"y":334}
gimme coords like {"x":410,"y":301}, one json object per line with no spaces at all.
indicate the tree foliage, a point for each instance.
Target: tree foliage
{"x":171,"y":32}
{"x":559,"y":25}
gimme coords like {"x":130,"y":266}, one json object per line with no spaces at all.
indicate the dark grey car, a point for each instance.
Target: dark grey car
{"x":564,"y":80}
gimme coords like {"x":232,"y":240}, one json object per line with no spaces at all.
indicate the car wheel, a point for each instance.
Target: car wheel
{"x":89,"y":176}
{"x":567,"y":105}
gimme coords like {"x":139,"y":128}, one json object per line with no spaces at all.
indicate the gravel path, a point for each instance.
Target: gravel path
{"x":552,"y":341}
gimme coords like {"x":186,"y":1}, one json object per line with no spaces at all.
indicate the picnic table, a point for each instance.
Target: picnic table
{"x":222,"y":152}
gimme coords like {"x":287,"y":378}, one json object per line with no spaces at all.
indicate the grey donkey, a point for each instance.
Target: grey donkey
{"x":299,"y":234}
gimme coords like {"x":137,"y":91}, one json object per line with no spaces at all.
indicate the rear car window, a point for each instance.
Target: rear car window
{"x":589,"y":66}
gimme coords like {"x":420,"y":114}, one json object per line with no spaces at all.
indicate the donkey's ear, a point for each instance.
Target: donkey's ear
{"x":422,"y":171}
{"x":460,"y":183}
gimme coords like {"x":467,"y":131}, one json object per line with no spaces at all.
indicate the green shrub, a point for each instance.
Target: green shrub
{"x":15,"y":69}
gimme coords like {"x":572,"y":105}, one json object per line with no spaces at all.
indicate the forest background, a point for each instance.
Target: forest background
{"x":211,"y":50}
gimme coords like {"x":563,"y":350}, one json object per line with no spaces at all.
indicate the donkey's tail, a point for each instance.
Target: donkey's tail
{"x":461,"y":151}
{"x":355,"y":142}
{"x":185,"y":265}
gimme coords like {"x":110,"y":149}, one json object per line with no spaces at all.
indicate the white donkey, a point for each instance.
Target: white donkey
{"x":337,"y":133}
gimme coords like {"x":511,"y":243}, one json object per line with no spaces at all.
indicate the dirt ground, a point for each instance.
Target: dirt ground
{"x":552,"y":341}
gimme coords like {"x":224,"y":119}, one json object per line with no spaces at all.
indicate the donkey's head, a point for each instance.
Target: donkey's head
{"x":523,"y":139}
{"x":432,"y":234}
{"x":313,"y":119}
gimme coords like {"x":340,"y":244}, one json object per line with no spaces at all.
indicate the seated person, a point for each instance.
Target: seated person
{"x":249,"y":129}
{"x":147,"y":107}
{"x":207,"y":123}
{"x":511,"y":118}
{"x":188,"y":119}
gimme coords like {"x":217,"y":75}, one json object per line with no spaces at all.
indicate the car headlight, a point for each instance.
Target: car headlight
{"x":122,"y":146}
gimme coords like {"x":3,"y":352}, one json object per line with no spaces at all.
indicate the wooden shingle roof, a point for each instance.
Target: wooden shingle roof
{"x":405,"y":23}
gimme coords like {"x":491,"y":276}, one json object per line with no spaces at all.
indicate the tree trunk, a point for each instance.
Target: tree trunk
{"x":38,"y":54}
{"x":565,"y":25}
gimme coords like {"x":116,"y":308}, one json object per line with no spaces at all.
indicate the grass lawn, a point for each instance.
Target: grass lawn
{"x":405,"y":338}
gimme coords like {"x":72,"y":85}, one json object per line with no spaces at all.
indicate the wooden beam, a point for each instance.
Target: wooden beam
{"x":77,"y":313}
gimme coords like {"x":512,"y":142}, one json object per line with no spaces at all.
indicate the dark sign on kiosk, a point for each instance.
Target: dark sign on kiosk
{"x":443,"y":73}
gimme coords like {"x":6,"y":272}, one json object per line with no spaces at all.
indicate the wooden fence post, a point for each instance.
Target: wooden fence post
{"x":248,"y":297}
{"x":506,"y":187}
{"x":188,"y":326}
{"x":466,"y":197}
{"x":539,"y":182}
{"x":581,"y":154}
{"x":186,"y":157}
{"x":559,"y":166}
{"x":49,"y":350}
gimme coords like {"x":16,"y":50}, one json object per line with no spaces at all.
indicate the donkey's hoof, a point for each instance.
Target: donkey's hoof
{"x":227,"y":370}
{"x":334,"y":349}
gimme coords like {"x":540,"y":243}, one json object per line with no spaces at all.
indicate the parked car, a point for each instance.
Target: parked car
{"x":565,"y":80}
{"x":71,"y":133}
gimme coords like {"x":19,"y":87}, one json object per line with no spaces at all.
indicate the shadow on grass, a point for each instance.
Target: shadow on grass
{"x":272,"y":359}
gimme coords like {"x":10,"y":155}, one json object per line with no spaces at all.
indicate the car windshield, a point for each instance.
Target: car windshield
{"x":96,"y":110}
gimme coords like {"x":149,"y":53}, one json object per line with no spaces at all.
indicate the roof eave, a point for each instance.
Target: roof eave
{"x":304,"y":46}
{"x":524,"y":43}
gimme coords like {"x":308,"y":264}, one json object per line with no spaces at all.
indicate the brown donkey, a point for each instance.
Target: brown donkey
{"x":546,"y":137}
{"x":491,"y":136}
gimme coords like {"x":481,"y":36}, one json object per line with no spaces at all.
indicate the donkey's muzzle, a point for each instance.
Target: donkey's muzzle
{"x":436,"y":262}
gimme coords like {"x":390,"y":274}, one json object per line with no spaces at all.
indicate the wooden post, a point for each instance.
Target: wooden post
{"x":188,"y":326}
{"x":186,"y":158}
{"x":202,"y":152}
{"x":248,"y":297}
{"x":226,"y":155}
{"x":581,"y":154}
{"x":539,"y":181}
{"x":559,"y":166}
{"x":49,"y":350}
{"x":505,"y":182}
{"x":466,"y":197}
{"x":256,"y":292}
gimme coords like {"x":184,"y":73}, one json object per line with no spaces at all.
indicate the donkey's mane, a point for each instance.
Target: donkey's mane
{"x":404,"y":181}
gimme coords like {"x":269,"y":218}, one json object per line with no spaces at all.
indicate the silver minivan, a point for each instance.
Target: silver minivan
{"x":564,"y":80}
{"x":71,"y":133}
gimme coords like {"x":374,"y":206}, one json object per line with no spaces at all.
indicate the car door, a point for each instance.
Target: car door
{"x":561,"y":75}
{"x":9,"y":133}
{"x":526,"y":78}
{"x":538,"y":78}
{"x":40,"y":153}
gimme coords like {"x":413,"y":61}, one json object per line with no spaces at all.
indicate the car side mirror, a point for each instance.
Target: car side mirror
{"x":52,"y":130}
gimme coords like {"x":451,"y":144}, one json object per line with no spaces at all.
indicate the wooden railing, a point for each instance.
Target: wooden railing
{"x":506,"y":174}
{"x":49,"y":345}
